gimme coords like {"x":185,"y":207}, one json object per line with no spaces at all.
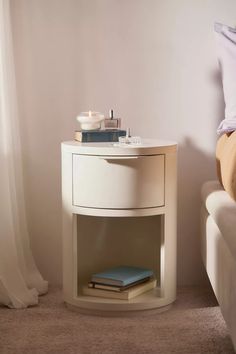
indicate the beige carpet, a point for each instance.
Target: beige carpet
{"x":193,"y":325}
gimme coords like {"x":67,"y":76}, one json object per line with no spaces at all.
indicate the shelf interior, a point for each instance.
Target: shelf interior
{"x":105,"y":242}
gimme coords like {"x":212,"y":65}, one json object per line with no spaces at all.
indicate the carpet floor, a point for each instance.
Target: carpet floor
{"x":193,"y":325}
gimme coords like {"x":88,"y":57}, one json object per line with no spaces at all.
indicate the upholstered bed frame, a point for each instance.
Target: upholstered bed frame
{"x":218,"y":248}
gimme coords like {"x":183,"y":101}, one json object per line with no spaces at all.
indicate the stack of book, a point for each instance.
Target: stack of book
{"x":123,"y":282}
{"x":99,"y":135}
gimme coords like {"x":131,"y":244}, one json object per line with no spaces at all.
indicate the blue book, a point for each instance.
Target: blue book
{"x":121,"y":276}
{"x":101,"y":135}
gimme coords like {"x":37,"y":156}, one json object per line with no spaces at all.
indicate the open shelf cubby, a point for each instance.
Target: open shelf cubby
{"x":106,"y":242}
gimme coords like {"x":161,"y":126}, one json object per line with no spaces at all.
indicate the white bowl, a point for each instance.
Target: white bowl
{"x":90,"y":120}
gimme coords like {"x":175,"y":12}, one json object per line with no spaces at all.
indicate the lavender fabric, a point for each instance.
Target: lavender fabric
{"x":226,"y":38}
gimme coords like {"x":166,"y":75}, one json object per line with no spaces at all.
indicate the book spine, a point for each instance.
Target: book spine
{"x":104,"y":293}
{"x":122,"y":295}
{"x":108,"y":136}
{"x":116,"y":282}
{"x":116,"y":288}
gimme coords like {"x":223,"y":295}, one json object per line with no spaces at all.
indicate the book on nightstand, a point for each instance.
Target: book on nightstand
{"x":127,"y":294}
{"x":99,"y":136}
{"x":122,"y":275}
{"x":115,"y":287}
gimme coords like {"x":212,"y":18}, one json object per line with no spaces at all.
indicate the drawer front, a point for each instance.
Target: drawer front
{"x":124,"y":182}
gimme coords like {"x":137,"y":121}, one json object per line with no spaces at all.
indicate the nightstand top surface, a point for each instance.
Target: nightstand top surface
{"x":147,"y":147}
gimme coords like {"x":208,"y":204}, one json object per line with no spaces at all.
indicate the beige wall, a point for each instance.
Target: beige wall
{"x":153,"y":61}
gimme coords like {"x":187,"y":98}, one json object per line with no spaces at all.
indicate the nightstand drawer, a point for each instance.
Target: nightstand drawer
{"x":118,"y":182}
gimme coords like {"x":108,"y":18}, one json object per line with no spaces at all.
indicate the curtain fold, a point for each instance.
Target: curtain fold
{"x":20,"y":280}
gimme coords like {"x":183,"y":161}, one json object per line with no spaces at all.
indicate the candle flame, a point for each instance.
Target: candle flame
{"x":90,"y":114}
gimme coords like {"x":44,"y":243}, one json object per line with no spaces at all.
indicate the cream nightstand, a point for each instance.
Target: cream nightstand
{"x":119,"y":208}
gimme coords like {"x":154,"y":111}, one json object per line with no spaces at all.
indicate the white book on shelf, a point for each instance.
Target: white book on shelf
{"x":122,"y":295}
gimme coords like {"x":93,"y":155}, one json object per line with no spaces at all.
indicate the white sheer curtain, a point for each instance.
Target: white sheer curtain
{"x":20,"y":280}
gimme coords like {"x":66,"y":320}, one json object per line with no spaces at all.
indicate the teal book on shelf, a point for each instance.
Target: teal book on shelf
{"x":103,"y":135}
{"x":122,"y":275}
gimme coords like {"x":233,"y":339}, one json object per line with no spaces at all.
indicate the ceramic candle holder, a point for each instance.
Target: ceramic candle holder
{"x":90,"y":120}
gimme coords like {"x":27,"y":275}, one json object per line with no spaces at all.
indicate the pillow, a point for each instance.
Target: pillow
{"x":226,"y":38}
{"x":226,"y":162}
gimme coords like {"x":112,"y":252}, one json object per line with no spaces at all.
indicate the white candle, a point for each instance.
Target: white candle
{"x":90,"y":120}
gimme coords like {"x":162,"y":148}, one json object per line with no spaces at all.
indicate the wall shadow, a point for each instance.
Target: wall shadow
{"x":215,"y":77}
{"x":194,"y":168}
